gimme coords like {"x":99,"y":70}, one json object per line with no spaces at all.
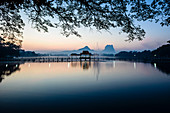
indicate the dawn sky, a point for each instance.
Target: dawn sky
{"x":54,"y":40}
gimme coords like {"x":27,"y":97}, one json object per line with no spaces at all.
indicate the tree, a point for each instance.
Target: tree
{"x":72,"y":14}
{"x":9,"y":46}
{"x":163,"y":51}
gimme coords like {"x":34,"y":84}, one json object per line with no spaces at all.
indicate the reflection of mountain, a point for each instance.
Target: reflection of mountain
{"x":7,"y":70}
{"x":163,"y":67}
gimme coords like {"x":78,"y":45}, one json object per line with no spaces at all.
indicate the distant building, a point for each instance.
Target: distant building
{"x":85,"y":53}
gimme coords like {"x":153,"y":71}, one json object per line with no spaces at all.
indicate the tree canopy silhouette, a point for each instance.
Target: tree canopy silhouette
{"x":72,"y":14}
{"x":168,"y":41}
{"x":9,"y":46}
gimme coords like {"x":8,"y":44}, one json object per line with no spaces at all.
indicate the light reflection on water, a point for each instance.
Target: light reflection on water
{"x":84,"y":83}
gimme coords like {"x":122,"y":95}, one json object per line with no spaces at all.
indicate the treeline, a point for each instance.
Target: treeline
{"x":8,"y":52}
{"x":161,"y":52}
{"x":24,"y":53}
{"x":9,"y":47}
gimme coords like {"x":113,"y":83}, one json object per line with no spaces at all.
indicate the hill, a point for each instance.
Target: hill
{"x":109,"y":49}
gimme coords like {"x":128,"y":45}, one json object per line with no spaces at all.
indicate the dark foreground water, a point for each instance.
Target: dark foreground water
{"x":89,"y":87}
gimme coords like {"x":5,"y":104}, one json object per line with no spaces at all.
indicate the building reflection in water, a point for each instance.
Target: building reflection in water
{"x":7,"y":70}
{"x":97,"y":67}
{"x":85,"y":64}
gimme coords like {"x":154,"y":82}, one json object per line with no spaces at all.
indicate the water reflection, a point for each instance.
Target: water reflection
{"x":68,"y":65}
{"x":85,"y":65}
{"x":96,"y":66}
{"x":109,"y":65}
{"x":8,"y":69}
{"x":74,"y":64}
{"x":162,"y":66}
{"x":134,"y":65}
{"x":114,"y":64}
{"x":105,"y":85}
{"x":155,"y":65}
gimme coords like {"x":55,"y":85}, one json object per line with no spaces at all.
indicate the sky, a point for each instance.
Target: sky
{"x":55,"y":41}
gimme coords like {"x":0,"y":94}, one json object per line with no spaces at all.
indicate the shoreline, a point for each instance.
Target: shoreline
{"x":88,"y":59}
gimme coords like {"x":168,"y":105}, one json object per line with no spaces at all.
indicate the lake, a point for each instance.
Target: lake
{"x":113,"y":86}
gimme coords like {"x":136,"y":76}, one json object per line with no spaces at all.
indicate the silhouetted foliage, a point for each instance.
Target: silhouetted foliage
{"x":24,"y":53}
{"x":135,"y":54}
{"x":163,"y":51}
{"x":72,"y":14}
{"x":7,"y":70}
{"x":9,"y":46}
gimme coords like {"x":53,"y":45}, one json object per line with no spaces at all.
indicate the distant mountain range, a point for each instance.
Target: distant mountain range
{"x":109,"y":49}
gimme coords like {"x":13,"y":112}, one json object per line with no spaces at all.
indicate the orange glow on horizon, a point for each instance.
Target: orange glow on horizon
{"x":53,"y":40}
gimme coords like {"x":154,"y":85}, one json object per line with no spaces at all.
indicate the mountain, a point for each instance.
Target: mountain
{"x":109,"y":49}
{"x":68,"y":52}
{"x":86,"y":48}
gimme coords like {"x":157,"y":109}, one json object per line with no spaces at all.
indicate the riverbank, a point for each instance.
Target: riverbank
{"x":76,"y":59}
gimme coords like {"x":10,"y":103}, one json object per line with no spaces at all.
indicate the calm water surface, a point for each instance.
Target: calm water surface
{"x":114,"y":86}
